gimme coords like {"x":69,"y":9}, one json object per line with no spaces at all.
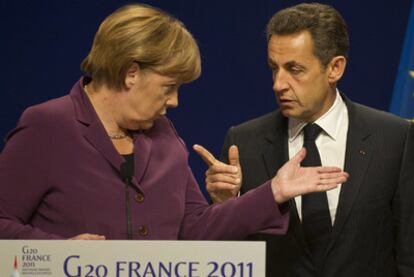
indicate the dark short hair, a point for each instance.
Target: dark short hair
{"x":327,"y":28}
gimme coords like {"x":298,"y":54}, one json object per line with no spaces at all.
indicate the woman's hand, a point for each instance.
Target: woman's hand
{"x":223,"y":181}
{"x":293,"y":180}
{"x":87,"y":236}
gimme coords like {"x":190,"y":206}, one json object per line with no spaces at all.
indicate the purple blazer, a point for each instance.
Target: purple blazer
{"x":60,"y":177}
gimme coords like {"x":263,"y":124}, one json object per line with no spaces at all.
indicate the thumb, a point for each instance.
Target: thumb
{"x":207,"y":157}
{"x":298,"y":158}
{"x":234,"y":156}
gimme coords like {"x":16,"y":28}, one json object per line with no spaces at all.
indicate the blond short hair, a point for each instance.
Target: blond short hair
{"x":145,"y":35}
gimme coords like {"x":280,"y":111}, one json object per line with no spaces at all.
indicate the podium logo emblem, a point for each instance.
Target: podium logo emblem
{"x":15,"y":272}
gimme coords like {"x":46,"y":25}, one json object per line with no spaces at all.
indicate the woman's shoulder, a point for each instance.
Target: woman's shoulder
{"x":50,"y":109}
{"x":53,"y":110}
{"x":44,"y":118}
{"x":164,"y":129}
{"x":39,"y":121}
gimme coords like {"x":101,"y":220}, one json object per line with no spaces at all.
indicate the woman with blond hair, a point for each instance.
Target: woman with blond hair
{"x":104,"y":162}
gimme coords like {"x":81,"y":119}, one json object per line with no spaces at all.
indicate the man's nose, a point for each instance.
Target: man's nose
{"x":280,"y":81}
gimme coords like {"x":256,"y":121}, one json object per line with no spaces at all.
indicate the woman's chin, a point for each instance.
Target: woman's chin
{"x":147,"y":125}
{"x":143,"y":125}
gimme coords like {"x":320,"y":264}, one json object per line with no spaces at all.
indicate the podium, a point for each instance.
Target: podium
{"x":59,"y":258}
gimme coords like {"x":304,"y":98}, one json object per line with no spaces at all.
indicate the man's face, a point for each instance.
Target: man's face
{"x":301,"y":84}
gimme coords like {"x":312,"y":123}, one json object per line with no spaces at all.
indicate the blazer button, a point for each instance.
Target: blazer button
{"x":139,"y":197}
{"x":143,"y":230}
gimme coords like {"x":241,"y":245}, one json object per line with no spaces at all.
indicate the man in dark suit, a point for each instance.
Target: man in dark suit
{"x":363,"y":228}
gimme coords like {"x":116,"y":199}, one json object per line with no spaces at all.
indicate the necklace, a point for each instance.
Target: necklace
{"x":120,"y":135}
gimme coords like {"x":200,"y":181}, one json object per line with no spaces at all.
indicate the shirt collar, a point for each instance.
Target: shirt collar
{"x":330,"y":121}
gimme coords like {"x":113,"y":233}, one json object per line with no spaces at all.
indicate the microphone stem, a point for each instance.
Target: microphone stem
{"x":128,"y":211}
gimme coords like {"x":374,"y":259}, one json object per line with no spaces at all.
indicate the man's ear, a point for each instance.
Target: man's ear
{"x":336,"y":68}
{"x":132,"y":75}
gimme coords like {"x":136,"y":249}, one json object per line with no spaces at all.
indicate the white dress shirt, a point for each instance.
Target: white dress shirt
{"x":331,"y":145}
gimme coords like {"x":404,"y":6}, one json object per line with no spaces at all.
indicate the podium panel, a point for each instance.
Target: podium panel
{"x":55,"y":258}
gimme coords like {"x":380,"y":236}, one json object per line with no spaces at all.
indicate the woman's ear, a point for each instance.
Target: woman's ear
{"x":132,"y":75}
{"x":336,"y":69}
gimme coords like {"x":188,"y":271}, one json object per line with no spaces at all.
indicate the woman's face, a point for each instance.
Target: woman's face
{"x":148,"y":97}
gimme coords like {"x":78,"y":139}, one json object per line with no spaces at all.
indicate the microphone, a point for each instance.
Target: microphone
{"x":127,"y":172}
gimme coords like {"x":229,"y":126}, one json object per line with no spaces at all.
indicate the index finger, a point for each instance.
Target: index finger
{"x":207,"y":157}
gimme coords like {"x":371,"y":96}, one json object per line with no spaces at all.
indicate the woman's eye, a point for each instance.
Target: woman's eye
{"x":170,"y":88}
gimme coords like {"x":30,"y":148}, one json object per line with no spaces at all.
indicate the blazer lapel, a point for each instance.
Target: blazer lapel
{"x":92,"y":128}
{"x":357,"y":159}
{"x":142,"y":155}
{"x":95,"y":134}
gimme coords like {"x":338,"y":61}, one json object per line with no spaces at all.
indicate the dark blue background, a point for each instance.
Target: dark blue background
{"x":43,"y":43}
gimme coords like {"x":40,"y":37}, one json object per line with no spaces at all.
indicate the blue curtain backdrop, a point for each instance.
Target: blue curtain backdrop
{"x":43,"y":43}
{"x":402,"y":103}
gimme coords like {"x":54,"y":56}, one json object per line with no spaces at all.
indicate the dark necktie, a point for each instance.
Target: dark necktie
{"x":316,"y":220}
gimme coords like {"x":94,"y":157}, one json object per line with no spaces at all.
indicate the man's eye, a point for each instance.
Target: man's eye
{"x":273,"y":68}
{"x":295,"y":71}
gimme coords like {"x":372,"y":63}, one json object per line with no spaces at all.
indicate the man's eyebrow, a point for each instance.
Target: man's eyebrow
{"x":291,"y":64}
{"x":270,"y":62}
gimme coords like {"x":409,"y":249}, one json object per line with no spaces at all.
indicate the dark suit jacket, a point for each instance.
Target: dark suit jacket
{"x":60,"y":177}
{"x":373,"y":234}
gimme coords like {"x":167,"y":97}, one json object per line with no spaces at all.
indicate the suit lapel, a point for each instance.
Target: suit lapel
{"x":276,"y":140}
{"x":357,"y":158}
{"x":276,"y":153}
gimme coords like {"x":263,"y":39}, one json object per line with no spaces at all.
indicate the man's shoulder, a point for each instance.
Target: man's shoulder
{"x":375,"y":117}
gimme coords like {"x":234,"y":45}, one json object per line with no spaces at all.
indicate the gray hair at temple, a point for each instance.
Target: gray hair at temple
{"x":324,"y":23}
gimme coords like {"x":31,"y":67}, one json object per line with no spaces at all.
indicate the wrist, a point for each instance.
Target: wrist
{"x":276,"y":190}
